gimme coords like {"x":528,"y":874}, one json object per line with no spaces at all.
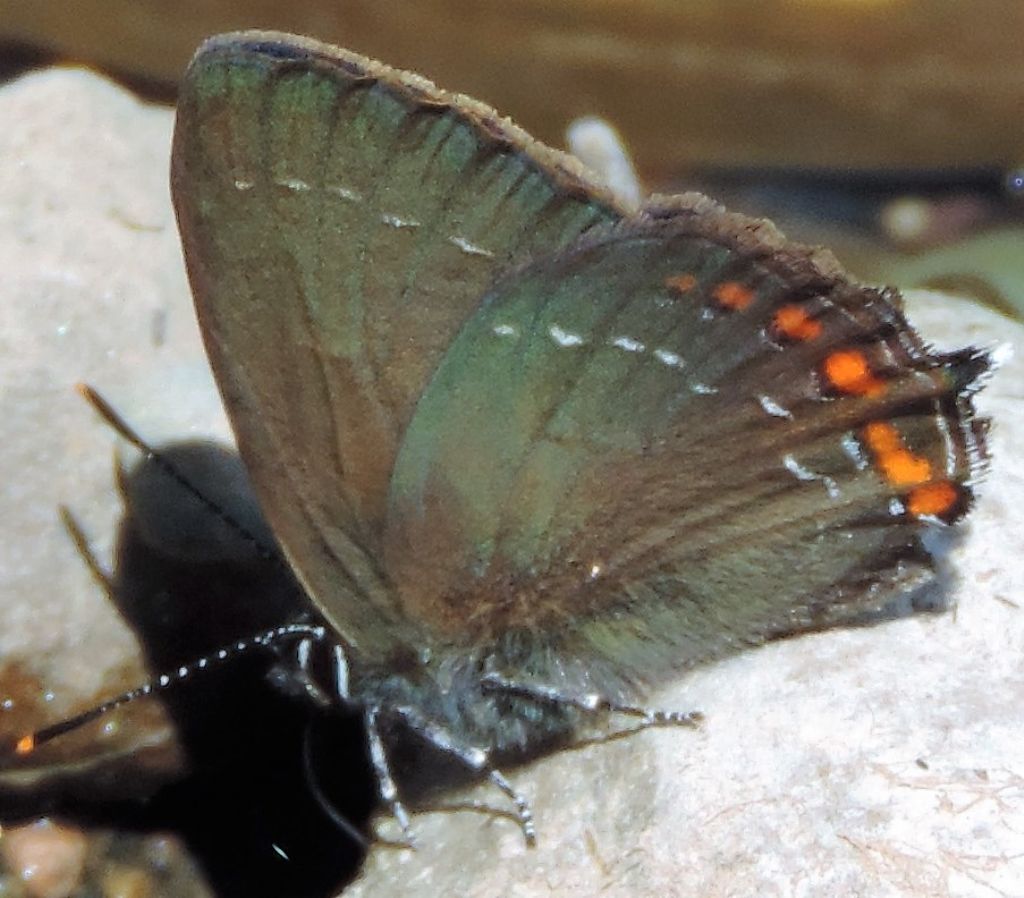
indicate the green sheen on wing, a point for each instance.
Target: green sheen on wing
{"x":341,"y":221}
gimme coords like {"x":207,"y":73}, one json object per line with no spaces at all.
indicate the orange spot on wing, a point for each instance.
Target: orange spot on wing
{"x":847,"y":370}
{"x":881,"y":436}
{"x":681,"y":283}
{"x":933,"y":499}
{"x":25,"y":745}
{"x":793,"y":322}
{"x":733,"y":295}
{"x":898,"y":464}
{"x":904,"y":468}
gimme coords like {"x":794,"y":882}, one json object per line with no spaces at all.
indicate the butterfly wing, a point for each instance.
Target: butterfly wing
{"x":340,"y":221}
{"x":678,"y":437}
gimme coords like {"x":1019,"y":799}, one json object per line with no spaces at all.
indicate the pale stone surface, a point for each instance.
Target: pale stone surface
{"x":805,"y":779}
{"x":94,"y":291}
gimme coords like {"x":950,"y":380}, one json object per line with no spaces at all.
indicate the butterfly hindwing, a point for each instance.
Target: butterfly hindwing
{"x":648,"y":446}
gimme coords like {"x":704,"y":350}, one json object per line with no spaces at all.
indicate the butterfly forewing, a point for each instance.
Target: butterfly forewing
{"x":340,"y":222}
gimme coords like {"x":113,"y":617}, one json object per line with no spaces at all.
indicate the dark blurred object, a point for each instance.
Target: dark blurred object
{"x":888,"y":84}
{"x":47,"y":859}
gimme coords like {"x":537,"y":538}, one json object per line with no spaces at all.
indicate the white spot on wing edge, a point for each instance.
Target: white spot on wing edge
{"x":505,"y":330}
{"x":295,"y":184}
{"x":469,"y":247}
{"x":395,"y":222}
{"x":565,"y":338}
{"x":242,"y":184}
{"x":773,"y":408}
{"x":628,"y":344}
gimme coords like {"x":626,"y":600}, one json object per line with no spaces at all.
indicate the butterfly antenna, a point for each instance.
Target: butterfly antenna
{"x":29,"y":742}
{"x":124,"y":430}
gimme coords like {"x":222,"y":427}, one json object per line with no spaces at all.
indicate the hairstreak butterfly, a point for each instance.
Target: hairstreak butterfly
{"x":528,"y":452}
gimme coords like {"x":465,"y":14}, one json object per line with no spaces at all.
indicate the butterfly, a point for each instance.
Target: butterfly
{"x":531,"y":453}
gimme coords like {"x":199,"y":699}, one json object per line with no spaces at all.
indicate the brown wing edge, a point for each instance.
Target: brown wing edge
{"x":283,"y":50}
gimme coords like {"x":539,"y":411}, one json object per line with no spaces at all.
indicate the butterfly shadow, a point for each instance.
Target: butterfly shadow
{"x":187,"y":584}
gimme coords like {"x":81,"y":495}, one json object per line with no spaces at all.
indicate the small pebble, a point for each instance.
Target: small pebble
{"x":906,"y":220}
{"x":126,"y":882}
{"x":912,"y":222}
{"x":47,"y":857}
{"x":598,"y":146}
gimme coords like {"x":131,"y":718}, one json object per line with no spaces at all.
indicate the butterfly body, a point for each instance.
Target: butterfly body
{"x":446,"y":688}
{"x":522,"y":446}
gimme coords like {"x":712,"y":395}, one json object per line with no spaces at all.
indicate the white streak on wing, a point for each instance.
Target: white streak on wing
{"x":470,"y":248}
{"x":801,"y":473}
{"x":853,"y":451}
{"x":296,"y":184}
{"x":241,"y":184}
{"x":564,"y":338}
{"x":395,"y":222}
{"x":629,"y":344}
{"x":667,"y":357}
{"x":344,"y":193}
{"x":505,"y":330}
{"x":947,"y":439}
{"x":703,"y":389}
{"x":773,"y":408}
{"x":796,"y":469}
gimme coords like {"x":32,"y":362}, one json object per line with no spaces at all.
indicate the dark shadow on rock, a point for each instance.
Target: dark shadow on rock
{"x":188,"y":583}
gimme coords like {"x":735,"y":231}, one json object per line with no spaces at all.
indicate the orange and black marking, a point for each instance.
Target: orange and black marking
{"x":733,"y":296}
{"x":681,"y":283}
{"x":941,"y":499}
{"x":911,"y":474}
{"x":728,"y":296}
{"x":849,"y":372}
{"x":793,"y":323}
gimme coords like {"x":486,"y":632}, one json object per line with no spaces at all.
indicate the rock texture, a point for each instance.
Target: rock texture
{"x":882,"y":761}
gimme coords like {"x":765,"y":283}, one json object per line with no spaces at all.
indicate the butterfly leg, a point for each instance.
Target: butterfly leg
{"x":300,"y":676}
{"x":477,"y":760}
{"x":592,"y":703}
{"x":321,"y":798}
{"x":386,"y":782}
